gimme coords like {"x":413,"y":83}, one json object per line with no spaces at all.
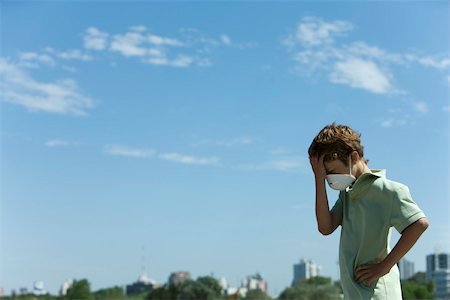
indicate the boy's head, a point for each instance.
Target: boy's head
{"x":337,"y":142}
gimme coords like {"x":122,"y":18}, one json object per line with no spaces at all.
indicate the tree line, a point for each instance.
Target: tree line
{"x":208,"y":288}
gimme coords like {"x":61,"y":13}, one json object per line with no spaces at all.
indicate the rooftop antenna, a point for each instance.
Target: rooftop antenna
{"x":143,"y":261}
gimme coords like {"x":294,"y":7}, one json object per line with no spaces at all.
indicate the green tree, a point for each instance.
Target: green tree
{"x":81,"y":289}
{"x":316,"y":288}
{"x":417,"y":287}
{"x":256,"y":295}
{"x":114,"y":293}
{"x":164,"y":293}
{"x":318,"y":280}
{"x":211,"y":283}
{"x":204,"y":288}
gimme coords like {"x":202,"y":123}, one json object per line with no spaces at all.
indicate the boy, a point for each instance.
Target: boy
{"x":367,"y":207}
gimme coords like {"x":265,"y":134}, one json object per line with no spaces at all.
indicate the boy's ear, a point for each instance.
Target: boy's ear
{"x":355,"y":156}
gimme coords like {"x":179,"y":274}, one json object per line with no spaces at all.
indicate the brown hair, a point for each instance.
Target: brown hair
{"x":336,"y":142}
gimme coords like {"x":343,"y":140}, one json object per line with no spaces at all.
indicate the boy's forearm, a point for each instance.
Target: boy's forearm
{"x":322,"y":209}
{"x":408,"y":238}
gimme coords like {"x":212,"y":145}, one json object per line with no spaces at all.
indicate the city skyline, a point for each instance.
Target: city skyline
{"x":184,"y":127}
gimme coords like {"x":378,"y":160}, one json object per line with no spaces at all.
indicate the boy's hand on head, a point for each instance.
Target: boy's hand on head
{"x":318,"y":167}
{"x":367,"y":274}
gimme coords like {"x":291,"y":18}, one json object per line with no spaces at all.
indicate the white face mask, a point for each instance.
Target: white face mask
{"x":341,"y":181}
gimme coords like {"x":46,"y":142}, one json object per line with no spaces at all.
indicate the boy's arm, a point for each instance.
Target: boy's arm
{"x":327,"y":221}
{"x":410,"y":235}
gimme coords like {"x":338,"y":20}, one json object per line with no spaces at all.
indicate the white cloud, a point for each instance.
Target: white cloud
{"x":60,"y":143}
{"x":421,"y":107}
{"x":155,"y":49}
{"x":186,"y":159}
{"x":138,"y":28}
{"x":446,"y":108}
{"x":60,"y":97}
{"x":282,"y":164}
{"x":362,"y":74}
{"x":361,"y":49}
{"x":74,"y":54}
{"x":181,"y":61}
{"x":225,"y":39}
{"x":316,"y":50}
{"x":393,"y":122}
{"x":314,"y":31}
{"x":435,"y":62}
{"x":35,"y":57}
{"x":279,"y":151}
{"x":95,"y":39}
{"x":129,"y":44}
{"x":235,"y":142}
{"x":163,"y":41}
{"x":121,"y":150}
{"x":238,"y":141}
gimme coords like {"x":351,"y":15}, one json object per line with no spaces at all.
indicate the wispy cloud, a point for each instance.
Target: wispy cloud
{"x":238,"y":141}
{"x":61,"y":97}
{"x":313,"y":31}
{"x":357,"y":64}
{"x":390,"y":122}
{"x":74,"y":54}
{"x":60,"y":143}
{"x":363,"y":74}
{"x":279,"y":151}
{"x":189,"y":160}
{"x":33,"y":59}
{"x":225,"y":39}
{"x":189,"y":48}
{"x":122,"y":150}
{"x":421,"y":107}
{"x":293,"y":164}
{"x":95,"y":39}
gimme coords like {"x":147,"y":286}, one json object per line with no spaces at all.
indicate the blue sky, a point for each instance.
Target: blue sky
{"x":183,"y":128}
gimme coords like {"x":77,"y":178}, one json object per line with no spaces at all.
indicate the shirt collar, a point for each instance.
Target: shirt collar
{"x":362,"y":177}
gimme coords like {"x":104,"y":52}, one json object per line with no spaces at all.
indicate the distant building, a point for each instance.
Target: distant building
{"x":23,"y":291}
{"x":438,"y":270}
{"x":255,"y":282}
{"x":65,"y":286}
{"x":305,"y":270}
{"x":178,"y":278}
{"x":223,"y":283}
{"x":2,"y":292}
{"x":252,"y":282}
{"x":38,"y":288}
{"x":142,"y":285}
{"x":406,"y":269}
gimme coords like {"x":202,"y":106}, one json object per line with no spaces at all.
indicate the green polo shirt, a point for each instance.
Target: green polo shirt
{"x":369,"y":208}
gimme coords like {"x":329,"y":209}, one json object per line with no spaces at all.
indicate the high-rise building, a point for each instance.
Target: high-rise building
{"x":406,"y":269}
{"x":143,"y":284}
{"x":438,"y":270}
{"x":305,"y":270}
{"x":65,"y":286}
{"x":178,"y":278}
{"x":255,"y":282}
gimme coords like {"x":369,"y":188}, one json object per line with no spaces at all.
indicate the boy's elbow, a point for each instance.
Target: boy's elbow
{"x":325,"y":231}
{"x":423,"y":223}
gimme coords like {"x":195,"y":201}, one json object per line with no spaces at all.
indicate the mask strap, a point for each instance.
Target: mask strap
{"x":350,"y":164}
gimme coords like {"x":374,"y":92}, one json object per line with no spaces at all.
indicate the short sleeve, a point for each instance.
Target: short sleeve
{"x":404,"y":210}
{"x":338,"y":206}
